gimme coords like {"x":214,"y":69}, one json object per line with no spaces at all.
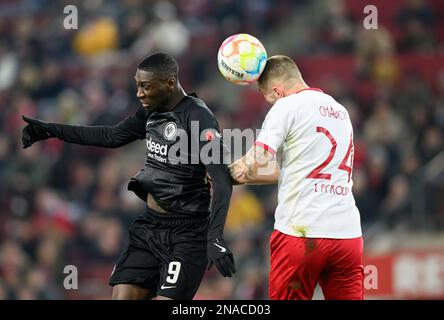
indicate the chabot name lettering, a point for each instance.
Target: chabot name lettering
{"x":329,"y":112}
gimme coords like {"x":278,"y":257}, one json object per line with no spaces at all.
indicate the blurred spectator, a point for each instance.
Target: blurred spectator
{"x":438,"y":107}
{"x":98,"y":36}
{"x":164,"y":33}
{"x":245,"y":212}
{"x":417,"y":20}
{"x":384,"y":126}
{"x":418,"y":10}
{"x":338,"y":28}
{"x":431,"y":144}
{"x":8,"y":67}
{"x":417,"y":37}
{"x":414,"y":92}
{"x":396,"y":204}
{"x":375,"y":53}
{"x":364,"y":197}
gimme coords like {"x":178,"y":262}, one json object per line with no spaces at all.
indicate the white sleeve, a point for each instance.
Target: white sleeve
{"x":275,"y":127}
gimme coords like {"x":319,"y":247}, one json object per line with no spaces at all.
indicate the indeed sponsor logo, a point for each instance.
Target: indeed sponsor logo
{"x":156,"y":147}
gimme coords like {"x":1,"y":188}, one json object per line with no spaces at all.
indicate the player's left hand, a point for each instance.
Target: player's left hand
{"x":221,"y":256}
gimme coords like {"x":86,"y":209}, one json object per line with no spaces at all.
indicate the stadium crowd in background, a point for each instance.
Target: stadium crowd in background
{"x":63,"y":204}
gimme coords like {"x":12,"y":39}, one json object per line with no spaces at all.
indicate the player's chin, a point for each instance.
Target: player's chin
{"x":145,"y":105}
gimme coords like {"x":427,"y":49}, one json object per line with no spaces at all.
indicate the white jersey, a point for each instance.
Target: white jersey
{"x":312,"y":137}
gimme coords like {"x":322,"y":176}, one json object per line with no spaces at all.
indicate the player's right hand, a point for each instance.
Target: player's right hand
{"x":221,"y":256}
{"x":237,"y":172}
{"x":36,"y":130}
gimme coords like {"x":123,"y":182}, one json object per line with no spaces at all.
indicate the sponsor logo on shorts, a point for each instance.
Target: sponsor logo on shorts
{"x":167,"y":287}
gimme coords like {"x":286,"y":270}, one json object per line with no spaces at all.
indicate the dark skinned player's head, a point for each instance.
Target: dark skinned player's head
{"x":157,"y":80}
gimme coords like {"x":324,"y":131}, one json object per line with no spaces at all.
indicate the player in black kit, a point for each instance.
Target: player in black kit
{"x":172,"y":240}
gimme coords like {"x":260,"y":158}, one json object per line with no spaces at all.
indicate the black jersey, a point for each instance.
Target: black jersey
{"x":174,"y":176}
{"x":177,"y":184}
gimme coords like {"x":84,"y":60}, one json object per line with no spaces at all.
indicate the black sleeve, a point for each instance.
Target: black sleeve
{"x":130,"y":129}
{"x":220,"y":200}
{"x":213,"y":152}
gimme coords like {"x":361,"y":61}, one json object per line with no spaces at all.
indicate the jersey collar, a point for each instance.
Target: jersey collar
{"x":314,"y":89}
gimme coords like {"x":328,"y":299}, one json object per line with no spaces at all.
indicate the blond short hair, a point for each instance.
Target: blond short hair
{"x":280,"y":69}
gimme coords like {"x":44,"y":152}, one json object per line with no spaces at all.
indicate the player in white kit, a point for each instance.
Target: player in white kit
{"x":306,"y":145}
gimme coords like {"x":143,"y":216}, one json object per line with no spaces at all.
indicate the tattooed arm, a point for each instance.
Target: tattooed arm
{"x":258,"y":166}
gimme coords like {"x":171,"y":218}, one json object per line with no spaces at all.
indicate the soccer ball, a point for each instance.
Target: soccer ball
{"x":241,"y":58}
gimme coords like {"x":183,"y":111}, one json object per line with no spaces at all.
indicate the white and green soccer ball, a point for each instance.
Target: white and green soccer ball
{"x":241,"y":58}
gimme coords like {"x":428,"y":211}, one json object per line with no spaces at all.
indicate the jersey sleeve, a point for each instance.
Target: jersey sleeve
{"x":204,"y":129}
{"x":275,"y":128}
{"x":212,"y":154}
{"x":128,"y":130}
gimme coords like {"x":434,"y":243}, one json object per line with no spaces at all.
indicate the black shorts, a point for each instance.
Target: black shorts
{"x":167,"y":256}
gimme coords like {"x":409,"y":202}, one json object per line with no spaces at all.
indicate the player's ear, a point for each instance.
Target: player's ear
{"x":172,"y":81}
{"x":279,"y":92}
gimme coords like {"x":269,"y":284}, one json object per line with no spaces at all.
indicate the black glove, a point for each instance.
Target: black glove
{"x":36,"y":130}
{"x":221,"y":256}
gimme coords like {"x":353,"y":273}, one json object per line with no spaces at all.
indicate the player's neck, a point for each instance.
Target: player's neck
{"x":176,"y":97}
{"x":296,"y":88}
